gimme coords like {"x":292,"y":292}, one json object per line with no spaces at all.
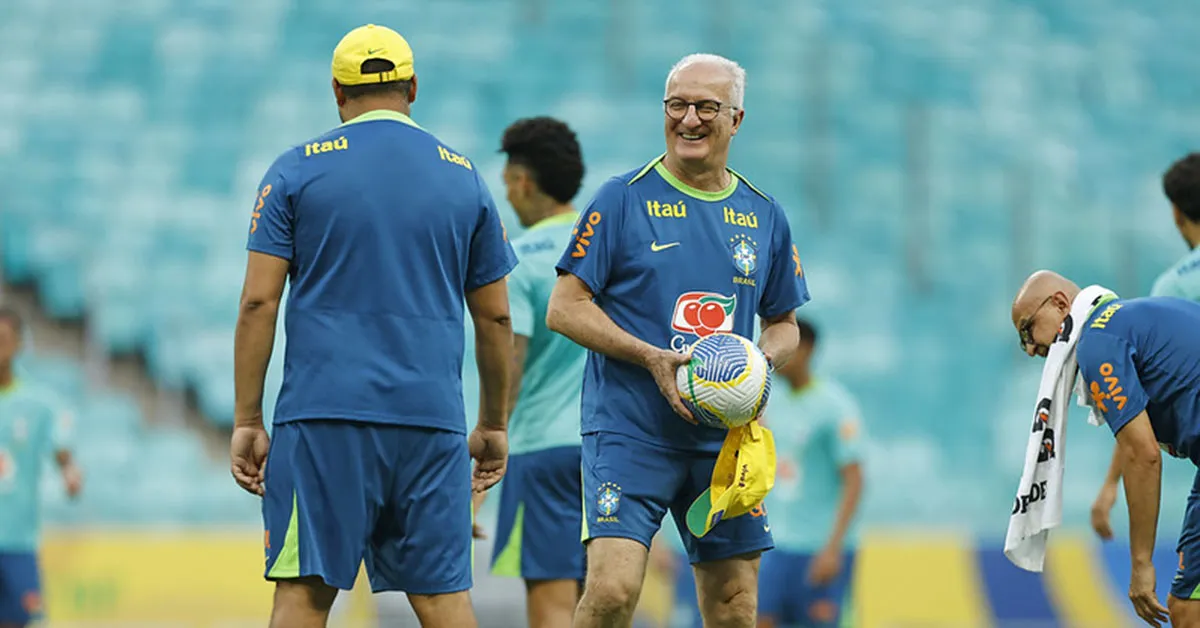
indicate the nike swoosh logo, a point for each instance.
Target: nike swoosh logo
{"x":766,"y":528}
{"x":374,"y":50}
{"x":656,"y":247}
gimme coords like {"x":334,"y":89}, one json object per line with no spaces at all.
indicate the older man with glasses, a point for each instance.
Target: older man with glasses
{"x":676,"y":250}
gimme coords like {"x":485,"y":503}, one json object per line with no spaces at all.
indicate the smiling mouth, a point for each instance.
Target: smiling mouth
{"x":693,"y":137}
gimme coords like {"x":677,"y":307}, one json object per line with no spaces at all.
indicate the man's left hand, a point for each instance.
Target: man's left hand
{"x":72,"y":480}
{"x":825,"y":566}
{"x":1145,"y":600}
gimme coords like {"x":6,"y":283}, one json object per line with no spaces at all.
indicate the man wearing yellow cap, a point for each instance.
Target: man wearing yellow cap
{"x":383,"y":232}
{"x":671,"y":252}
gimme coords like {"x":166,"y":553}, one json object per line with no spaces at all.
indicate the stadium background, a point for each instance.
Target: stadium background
{"x":930,"y":153}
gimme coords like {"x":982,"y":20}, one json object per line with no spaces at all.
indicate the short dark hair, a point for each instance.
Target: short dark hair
{"x":1181,"y":184}
{"x":377,"y":66}
{"x":808,"y":333}
{"x":549,"y":148}
{"x":13,"y":318}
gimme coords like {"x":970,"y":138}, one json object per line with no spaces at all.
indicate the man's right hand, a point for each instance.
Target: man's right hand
{"x":248,"y":449}
{"x":662,"y":364}
{"x":1102,"y":509}
{"x":489,"y":448}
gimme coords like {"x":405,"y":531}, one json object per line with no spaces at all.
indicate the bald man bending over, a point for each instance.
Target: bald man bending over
{"x":1140,"y":358}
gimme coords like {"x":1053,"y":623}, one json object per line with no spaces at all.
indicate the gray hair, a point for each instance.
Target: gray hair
{"x":737,"y":74}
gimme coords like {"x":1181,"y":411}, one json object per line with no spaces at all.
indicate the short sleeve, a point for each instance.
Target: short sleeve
{"x":520,"y":302}
{"x":847,"y":436}
{"x":787,"y":288}
{"x":1106,"y":364}
{"x":272,"y":221}
{"x":59,"y":423}
{"x":492,"y":256}
{"x":1166,"y":286}
{"x":589,"y":253}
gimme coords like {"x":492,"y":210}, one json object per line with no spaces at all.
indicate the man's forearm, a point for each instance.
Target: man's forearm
{"x":493,"y":356}
{"x":253,"y":341}
{"x":779,"y":340}
{"x":1114,"y":468}
{"x":851,"y":495}
{"x":586,"y":324}
{"x":1143,"y":483}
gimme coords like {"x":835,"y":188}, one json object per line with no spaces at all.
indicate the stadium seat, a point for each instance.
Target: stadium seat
{"x":124,"y":193}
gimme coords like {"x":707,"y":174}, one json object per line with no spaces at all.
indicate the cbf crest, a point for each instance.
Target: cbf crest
{"x":745,"y":254}
{"x":608,"y":501}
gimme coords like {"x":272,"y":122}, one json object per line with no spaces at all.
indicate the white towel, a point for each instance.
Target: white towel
{"x":1038,"y":506}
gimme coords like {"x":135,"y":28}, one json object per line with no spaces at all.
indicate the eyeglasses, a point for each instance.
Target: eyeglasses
{"x":706,"y":110}
{"x":1025,"y":330}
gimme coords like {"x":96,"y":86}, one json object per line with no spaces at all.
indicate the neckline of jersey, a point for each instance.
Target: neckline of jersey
{"x":813,"y":383}
{"x":702,"y":195}
{"x":10,"y":388}
{"x":1103,"y":299}
{"x":556,"y":219}
{"x":382,"y":114}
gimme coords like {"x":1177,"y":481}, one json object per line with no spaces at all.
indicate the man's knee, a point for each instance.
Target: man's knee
{"x":738,"y":609}
{"x":616,"y":568}
{"x":729,"y":591}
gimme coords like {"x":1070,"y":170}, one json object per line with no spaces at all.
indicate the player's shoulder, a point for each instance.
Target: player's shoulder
{"x":836,"y":395}
{"x":752,"y":192}
{"x":547,"y":239}
{"x":36,"y":395}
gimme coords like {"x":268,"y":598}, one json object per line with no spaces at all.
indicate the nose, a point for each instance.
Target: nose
{"x":1030,"y":350}
{"x":691,"y":118}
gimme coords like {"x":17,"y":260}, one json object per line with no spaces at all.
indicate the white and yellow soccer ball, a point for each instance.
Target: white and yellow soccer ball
{"x":727,"y":382}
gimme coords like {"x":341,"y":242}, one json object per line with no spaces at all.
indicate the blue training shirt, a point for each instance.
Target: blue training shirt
{"x":671,"y":264}
{"x":386,"y":230}
{"x":1144,"y":354}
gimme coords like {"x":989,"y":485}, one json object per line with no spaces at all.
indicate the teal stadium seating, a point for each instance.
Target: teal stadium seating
{"x":129,"y":158}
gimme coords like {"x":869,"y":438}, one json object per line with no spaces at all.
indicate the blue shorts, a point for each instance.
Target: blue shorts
{"x":20,"y":588}
{"x":1186,"y":585}
{"x":785,"y":595}
{"x":629,"y":485}
{"x":537,"y":536}
{"x":338,"y":493}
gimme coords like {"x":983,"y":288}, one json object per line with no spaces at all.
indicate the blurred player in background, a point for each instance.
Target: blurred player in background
{"x":819,"y":483}
{"x":32,"y":428}
{"x":540,"y":518}
{"x":670,"y":558}
{"x":664,"y":255}
{"x":1181,"y":185}
{"x":1140,"y":358}
{"x":382,"y":231}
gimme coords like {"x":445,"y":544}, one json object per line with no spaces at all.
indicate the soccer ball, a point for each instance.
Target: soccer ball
{"x":727,"y":382}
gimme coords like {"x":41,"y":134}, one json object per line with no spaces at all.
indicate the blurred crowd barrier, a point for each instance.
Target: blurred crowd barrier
{"x":212,"y":579}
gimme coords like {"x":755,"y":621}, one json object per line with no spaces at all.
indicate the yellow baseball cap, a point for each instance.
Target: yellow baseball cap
{"x":371,"y":42}
{"x":744,"y":474}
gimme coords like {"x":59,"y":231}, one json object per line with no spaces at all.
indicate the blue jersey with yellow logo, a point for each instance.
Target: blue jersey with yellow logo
{"x":386,"y":229}
{"x":817,"y":432}
{"x":1144,"y":354}
{"x":1180,"y":280}
{"x":33,"y":425}
{"x":671,"y":264}
{"x":547,"y":410}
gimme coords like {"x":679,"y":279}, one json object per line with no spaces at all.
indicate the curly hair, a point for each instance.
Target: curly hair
{"x":550,"y":150}
{"x":1181,"y":184}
